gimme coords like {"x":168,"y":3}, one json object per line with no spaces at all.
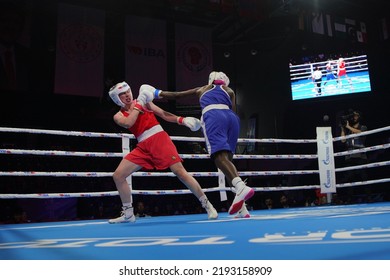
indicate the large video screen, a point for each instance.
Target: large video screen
{"x":323,"y":75}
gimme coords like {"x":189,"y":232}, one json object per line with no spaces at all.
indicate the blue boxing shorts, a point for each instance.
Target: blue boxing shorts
{"x":221,"y":128}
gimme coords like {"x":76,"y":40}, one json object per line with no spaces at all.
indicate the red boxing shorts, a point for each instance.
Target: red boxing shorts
{"x":155,"y":152}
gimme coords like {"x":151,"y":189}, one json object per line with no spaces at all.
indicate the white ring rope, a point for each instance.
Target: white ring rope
{"x":195,"y":174}
{"x":179,"y":138}
{"x":183,"y":191}
{"x":188,"y":156}
{"x":184,"y":156}
{"x":58,"y":153}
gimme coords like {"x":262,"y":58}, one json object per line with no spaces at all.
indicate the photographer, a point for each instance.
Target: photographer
{"x":351,"y":125}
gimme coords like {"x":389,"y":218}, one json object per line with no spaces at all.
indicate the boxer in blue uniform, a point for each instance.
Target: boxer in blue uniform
{"x":221,"y":127}
{"x":330,"y":75}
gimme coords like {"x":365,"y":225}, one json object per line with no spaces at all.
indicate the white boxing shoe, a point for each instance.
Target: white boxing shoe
{"x":243,"y":213}
{"x":242,"y":195}
{"x":211,"y":212}
{"x":127,"y":216}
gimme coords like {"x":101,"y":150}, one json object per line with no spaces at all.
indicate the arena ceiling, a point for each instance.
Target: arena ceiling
{"x":260,"y":19}
{"x":267,"y":18}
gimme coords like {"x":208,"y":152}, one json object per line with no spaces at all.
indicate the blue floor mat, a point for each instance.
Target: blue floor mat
{"x":351,"y":232}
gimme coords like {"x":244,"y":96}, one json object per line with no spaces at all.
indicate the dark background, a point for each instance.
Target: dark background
{"x":261,"y":82}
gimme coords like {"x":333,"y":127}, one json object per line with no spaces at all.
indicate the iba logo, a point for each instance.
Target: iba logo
{"x":81,"y":43}
{"x":194,"y":56}
{"x":318,"y":237}
{"x":145,"y":51}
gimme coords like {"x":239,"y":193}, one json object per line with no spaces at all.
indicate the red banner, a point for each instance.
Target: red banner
{"x":146,"y":53}
{"x":193,"y":58}
{"x":80,"y":51}
{"x":15,"y":53}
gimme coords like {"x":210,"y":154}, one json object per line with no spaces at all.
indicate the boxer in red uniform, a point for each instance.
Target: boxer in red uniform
{"x":341,"y":67}
{"x":341,"y":72}
{"x":155,"y":148}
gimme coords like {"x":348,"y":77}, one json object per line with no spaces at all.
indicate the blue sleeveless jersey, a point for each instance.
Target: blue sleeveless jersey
{"x":215,"y":95}
{"x":221,"y":126}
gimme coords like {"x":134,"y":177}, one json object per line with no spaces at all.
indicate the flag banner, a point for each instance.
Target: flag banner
{"x":361,"y":34}
{"x":193,"y":59}
{"x":326,"y":160}
{"x":306,"y":20}
{"x":350,"y":25}
{"x":145,"y":53}
{"x":343,"y":28}
{"x":363,"y":27}
{"x":356,"y":30}
{"x":79,"y":66}
{"x":329,"y":26}
{"x":317,"y":23}
{"x":340,"y":28}
{"x":384,"y":29}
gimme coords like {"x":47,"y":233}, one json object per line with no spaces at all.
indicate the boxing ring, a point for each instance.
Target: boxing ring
{"x":303,"y":87}
{"x":327,"y":231}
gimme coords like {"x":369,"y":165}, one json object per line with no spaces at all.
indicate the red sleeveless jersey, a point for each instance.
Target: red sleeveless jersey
{"x":155,"y":152}
{"x":144,"y":122}
{"x":342,"y":70}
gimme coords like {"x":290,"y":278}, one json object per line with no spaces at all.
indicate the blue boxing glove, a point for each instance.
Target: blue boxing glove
{"x":157,"y":93}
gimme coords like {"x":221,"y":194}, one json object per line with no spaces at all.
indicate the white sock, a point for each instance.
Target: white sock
{"x":127,"y":205}
{"x":128,"y":209}
{"x":237,"y":183}
{"x":203,"y":200}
